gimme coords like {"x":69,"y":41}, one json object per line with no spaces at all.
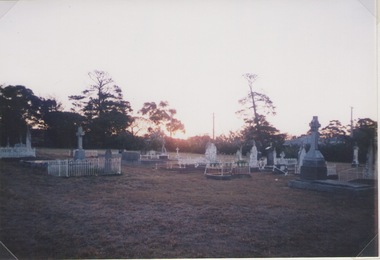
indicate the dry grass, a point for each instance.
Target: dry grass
{"x":147,"y":213}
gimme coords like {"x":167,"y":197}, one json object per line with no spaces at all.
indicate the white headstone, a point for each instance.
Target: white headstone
{"x":80,"y":135}
{"x":211,"y":153}
{"x":301,"y":156}
{"x":282,"y":158}
{"x":28,"y":141}
{"x":253,"y":157}
{"x":238,"y":155}
{"x":355,"y":160}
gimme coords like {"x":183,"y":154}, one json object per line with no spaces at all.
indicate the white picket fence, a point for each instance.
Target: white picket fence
{"x":87,"y":167}
{"x":17,"y":152}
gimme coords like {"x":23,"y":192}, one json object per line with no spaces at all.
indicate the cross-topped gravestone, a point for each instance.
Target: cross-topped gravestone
{"x":314,"y":164}
{"x":80,"y":135}
{"x":79,"y":154}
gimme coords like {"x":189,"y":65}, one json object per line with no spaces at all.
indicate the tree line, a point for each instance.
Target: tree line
{"x":109,"y":122}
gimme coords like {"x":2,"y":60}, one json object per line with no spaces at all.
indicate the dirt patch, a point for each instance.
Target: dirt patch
{"x":149,"y":213}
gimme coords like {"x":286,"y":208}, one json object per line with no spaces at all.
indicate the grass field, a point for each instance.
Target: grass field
{"x":149,"y":213}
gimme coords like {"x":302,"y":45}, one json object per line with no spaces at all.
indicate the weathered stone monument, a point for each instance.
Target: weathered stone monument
{"x":28,"y":141}
{"x":211,"y":153}
{"x":253,"y":163}
{"x":79,"y":154}
{"x":19,"y":150}
{"x":239,"y":156}
{"x":164,"y":153}
{"x":282,"y":158}
{"x":271,"y":155}
{"x":355,"y":159}
{"x":369,"y":165}
{"x":301,"y":156}
{"x":314,"y":164}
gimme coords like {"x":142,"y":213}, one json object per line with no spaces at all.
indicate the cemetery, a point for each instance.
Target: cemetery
{"x":160,"y":204}
{"x":85,"y":185}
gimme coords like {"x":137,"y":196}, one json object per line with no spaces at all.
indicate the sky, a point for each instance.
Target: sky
{"x":312,"y":57}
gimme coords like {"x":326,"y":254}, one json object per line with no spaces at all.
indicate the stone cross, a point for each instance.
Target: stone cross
{"x":314,"y":165}
{"x":80,"y":135}
{"x":314,"y":125}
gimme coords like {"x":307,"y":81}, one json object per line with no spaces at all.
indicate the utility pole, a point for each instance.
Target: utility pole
{"x":213,"y":126}
{"x":352,"y":123}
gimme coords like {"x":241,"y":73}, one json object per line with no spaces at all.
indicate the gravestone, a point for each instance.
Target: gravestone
{"x":271,"y":155}
{"x":253,"y":157}
{"x":355,"y":160}
{"x":238,"y":155}
{"x":368,"y":173}
{"x":163,"y":154}
{"x":28,"y":141}
{"x":314,"y":164}
{"x":79,"y":154}
{"x":211,"y":153}
{"x":301,"y":156}
{"x":282,"y":158}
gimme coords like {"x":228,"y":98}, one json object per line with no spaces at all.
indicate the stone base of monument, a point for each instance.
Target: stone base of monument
{"x":79,"y":154}
{"x":354,"y":187}
{"x":313,"y":172}
{"x":254,"y":169}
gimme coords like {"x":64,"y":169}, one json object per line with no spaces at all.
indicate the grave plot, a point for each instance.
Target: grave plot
{"x":86,"y":167}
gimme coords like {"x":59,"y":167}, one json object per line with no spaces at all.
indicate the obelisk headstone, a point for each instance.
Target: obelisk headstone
{"x":355,"y":159}
{"x":314,"y":164}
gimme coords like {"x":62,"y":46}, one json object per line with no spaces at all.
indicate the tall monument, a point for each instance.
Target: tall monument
{"x":314,"y":164}
{"x":79,"y":154}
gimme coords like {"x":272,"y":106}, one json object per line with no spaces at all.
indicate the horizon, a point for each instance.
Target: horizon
{"x":312,"y":58}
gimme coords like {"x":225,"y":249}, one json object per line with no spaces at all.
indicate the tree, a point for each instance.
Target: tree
{"x":334,"y":132}
{"x":229,"y":144}
{"x":19,"y":108}
{"x":106,"y":112}
{"x":61,"y":128}
{"x":162,"y":117}
{"x":364,"y":133}
{"x":261,"y":105}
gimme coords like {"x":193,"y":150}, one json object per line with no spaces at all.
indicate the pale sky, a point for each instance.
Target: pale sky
{"x":313,"y":57}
